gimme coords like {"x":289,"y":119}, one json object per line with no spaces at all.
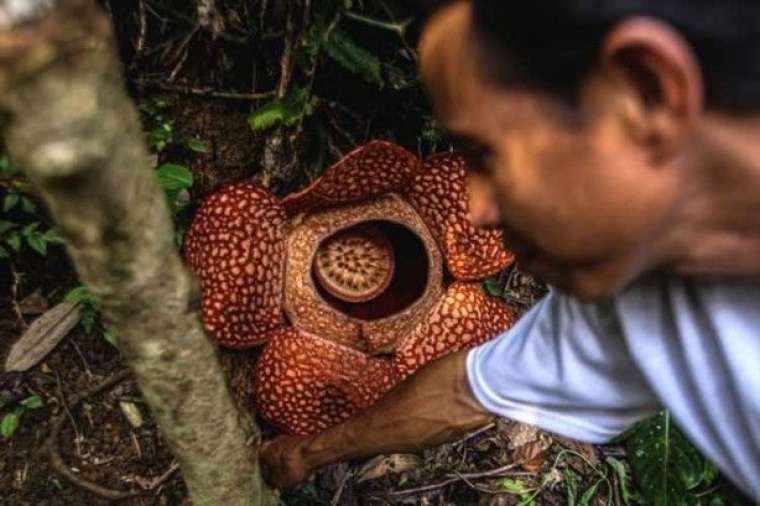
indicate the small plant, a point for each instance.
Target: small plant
{"x":161,"y":129}
{"x":90,"y":310}
{"x":286,"y":112}
{"x":21,"y":224}
{"x":12,"y":419}
{"x":526,"y":494}
{"x":668,"y":469}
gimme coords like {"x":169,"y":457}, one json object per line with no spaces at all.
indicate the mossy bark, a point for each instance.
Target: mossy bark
{"x":70,"y":124}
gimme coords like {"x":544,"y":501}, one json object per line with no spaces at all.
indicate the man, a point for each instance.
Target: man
{"x":621,"y":138}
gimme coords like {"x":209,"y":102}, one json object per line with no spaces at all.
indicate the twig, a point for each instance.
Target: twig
{"x":398,"y":27}
{"x":286,"y":57}
{"x":182,"y":53}
{"x":338,"y":493}
{"x":474,"y":433}
{"x":62,"y":399}
{"x":14,"y":297}
{"x":205,"y":92}
{"x":57,"y":462}
{"x":81,"y":356}
{"x":459,"y":477}
{"x":143,"y":28}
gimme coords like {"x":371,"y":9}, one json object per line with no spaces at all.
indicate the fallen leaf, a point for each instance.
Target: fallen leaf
{"x":132,"y":413}
{"x":42,"y":336}
{"x":529,"y":445}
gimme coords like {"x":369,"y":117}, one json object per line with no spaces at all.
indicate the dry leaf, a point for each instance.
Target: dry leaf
{"x":385,"y":464}
{"x":132,"y":413}
{"x":42,"y":336}
{"x":529,"y":445}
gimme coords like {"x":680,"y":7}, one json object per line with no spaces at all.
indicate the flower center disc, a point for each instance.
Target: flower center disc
{"x":355,"y":265}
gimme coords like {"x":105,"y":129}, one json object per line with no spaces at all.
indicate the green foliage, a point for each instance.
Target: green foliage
{"x":345,"y":51}
{"x":286,"y":112}
{"x":517,"y":487}
{"x":161,"y":136}
{"x":176,"y":180}
{"x":7,"y":167}
{"x":667,"y":467}
{"x":493,"y":287}
{"x":197,"y":145}
{"x":627,"y":494}
{"x":21,"y":222}
{"x":90,"y":308}
{"x":12,"y":419}
{"x":161,"y":130}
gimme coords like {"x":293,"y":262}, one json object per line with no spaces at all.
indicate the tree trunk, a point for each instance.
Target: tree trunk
{"x":69,"y":123}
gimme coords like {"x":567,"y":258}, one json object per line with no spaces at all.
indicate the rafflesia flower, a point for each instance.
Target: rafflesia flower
{"x":351,"y":284}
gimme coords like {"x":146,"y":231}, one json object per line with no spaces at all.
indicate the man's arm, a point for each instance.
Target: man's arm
{"x":431,"y":407}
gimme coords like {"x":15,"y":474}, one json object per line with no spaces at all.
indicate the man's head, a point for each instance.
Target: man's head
{"x":585,"y":116}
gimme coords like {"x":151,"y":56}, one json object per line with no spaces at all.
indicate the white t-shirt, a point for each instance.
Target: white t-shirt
{"x":589,"y":371}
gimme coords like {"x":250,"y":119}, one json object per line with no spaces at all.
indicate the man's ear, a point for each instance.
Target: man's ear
{"x":657,"y":69}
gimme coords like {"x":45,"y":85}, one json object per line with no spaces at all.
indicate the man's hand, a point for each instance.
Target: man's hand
{"x":283,"y":463}
{"x":431,"y":407}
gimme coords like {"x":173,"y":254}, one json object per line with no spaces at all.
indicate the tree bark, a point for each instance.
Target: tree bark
{"x":70,"y":124}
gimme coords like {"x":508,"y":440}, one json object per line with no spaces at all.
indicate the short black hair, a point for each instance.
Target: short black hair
{"x":554,"y":43}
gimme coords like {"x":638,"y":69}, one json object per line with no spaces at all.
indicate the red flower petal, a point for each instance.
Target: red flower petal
{"x":374,"y":169}
{"x":439,"y":193}
{"x":305,"y":384}
{"x":463,"y":318}
{"x":236,"y":246}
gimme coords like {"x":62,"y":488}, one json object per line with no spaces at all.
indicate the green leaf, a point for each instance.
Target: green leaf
{"x":52,"y":236}
{"x":197,"y":145}
{"x":79,"y":295}
{"x":287,"y":111}
{"x":14,"y":241}
{"x":619,"y":469}
{"x":6,"y":226}
{"x":174,"y":177}
{"x":4,"y":253}
{"x":710,"y":473}
{"x":514,"y":486}
{"x":493,"y":287}
{"x":351,"y":56}
{"x":589,"y":494}
{"x":32,"y":227}
{"x":161,"y":136}
{"x":664,"y":463}
{"x":33,"y":402}
{"x":27,"y":205}
{"x":571,"y":482}
{"x":10,"y":201}
{"x":38,"y":243}
{"x":9,"y":424}
{"x":111,"y":338}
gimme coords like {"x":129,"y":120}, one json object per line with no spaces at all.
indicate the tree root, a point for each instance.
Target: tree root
{"x":56,"y":460}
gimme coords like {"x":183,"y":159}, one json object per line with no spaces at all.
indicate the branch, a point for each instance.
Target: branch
{"x":74,"y":130}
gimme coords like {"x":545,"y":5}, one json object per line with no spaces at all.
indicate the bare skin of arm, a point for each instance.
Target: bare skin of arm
{"x":433,"y":406}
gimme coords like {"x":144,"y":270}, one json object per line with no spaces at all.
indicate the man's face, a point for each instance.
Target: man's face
{"x":578,"y":199}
